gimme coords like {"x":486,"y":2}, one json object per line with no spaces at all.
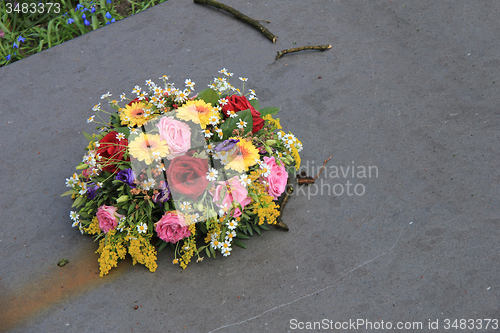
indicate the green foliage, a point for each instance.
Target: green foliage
{"x":32,"y":26}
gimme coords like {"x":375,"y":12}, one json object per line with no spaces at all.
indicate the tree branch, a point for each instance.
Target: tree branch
{"x":239,"y":15}
{"x":296,"y":49}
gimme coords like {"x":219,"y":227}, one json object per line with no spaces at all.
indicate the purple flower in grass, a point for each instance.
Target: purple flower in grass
{"x":15,"y":45}
{"x":92,"y":11}
{"x":86,"y":22}
{"x":70,"y":21}
{"x":127,"y":176}
{"x":84,"y":16}
{"x":21,"y":39}
{"x":8,"y":57}
{"x":108,"y":15}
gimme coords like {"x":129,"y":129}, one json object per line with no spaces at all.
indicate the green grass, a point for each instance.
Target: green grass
{"x":31,"y":26}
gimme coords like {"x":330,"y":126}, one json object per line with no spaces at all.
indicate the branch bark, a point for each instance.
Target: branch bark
{"x":302,"y":48}
{"x":239,"y":15}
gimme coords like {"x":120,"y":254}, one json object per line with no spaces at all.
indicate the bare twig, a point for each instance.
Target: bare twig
{"x":304,"y":179}
{"x":239,"y":15}
{"x":302,"y":48}
{"x":279,"y":223}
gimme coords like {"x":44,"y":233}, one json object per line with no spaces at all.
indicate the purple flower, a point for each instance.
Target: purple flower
{"x":92,"y":191}
{"x":108,"y":15}
{"x":163,"y":194}
{"x":113,"y":20}
{"x":15,"y":45}
{"x":84,"y":16}
{"x":86,"y":22}
{"x":21,"y":39}
{"x":70,"y":21}
{"x":79,"y":6}
{"x":127,"y":176}
{"x":92,"y":10}
{"x":226,"y":145}
{"x":109,"y":1}
{"x":8,"y":57}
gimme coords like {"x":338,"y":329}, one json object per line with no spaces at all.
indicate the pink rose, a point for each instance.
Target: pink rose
{"x":232,"y":191}
{"x":277,"y":178}
{"x":172,"y":227}
{"x":107,"y":218}
{"x":177,"y":135}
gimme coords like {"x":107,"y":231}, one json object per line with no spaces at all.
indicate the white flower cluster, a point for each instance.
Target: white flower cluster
{"x":290,"y":140}
{"x":225,"y":246}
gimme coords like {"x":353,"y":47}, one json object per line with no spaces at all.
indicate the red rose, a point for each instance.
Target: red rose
{"x":137,"y":100}
{"x":188,"y":175}
{"x":111,"y":151}
{"x":239,"y":103}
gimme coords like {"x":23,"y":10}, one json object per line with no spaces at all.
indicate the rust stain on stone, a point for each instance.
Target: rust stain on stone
{"x":58,"y":283}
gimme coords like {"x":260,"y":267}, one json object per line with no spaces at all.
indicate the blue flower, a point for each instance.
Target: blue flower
{"x":108,"y":15}
{"x":15,"y":45}
{"x":70,"y":21}
{"x":113,"y":20}
{"x":109,"y":1}
{"x":84,"y":16}
{"x":92,"y":10}
{"x":79,"y":6}
{"x":86,"y":22}
{"x":7,"y":57}
{"x":20,"y":39}
{"x":108,"y":23}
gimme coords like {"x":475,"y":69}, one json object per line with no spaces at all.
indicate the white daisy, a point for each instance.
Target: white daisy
{"x":91,"y":119}
{"x":106,"y":95}
{"x":230,"y":235}
{"x":122,"y":97}
{"x":232,"y":114}
{"x":242,"y":124}
{"x":185,"y":205}
{"x":212,"y":174}
{"x":120,"y":136}
{"x":244,"y":180}
{"x":142,"y":228}
{"x":96,"y":107}
{"x":232,"y":224}
{"x":243,"y":79}
{"x":219,"y":132}
{"x":223,"y":101}
{"x":74,"y":216}
{"x":207,"y":133}
{"x":189,"y":83}
{"x":225,"y":248}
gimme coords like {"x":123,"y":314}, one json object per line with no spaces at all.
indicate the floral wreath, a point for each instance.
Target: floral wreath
{"x":197,"y":173}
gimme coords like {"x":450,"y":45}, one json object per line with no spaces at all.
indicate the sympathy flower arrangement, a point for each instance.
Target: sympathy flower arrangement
{"x":199,"y":173}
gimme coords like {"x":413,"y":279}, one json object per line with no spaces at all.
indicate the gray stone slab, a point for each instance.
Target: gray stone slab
{"x":410,"y":88}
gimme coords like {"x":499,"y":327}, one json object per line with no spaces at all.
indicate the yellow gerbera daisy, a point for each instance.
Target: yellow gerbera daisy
{"x":242,"y":156}
{"x":197,"y":111}
{"x":148,"y":147}
{"x":134,"y":114}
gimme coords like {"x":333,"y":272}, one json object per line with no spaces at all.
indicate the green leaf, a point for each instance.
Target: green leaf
{"x":242,"y":236}
{"x":212,"y":251}
{"x":207,"y":251}
{"x":122,"y":198}
{"x":69,"y":192}
{"x":255,"y":104}
{"x":232,"y":123}
{"x":265,"y":227}
{"x":256,"y":228}
{"x":238,"y":243}
{"x":269,"y":110}
{"x":162,"y":246}
{"x":88,"y":136}
{"x":78,"y":202}
{"x":209,"y":96}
